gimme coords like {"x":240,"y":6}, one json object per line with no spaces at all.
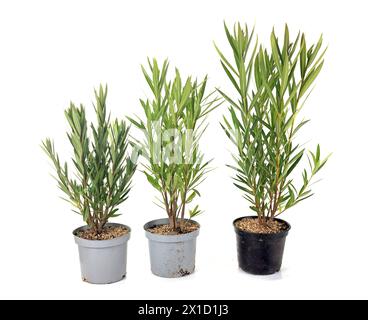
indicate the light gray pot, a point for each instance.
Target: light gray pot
{"x":172,"y":256}
{"x":103,"y":261}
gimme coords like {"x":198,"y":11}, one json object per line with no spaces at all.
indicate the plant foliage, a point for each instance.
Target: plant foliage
{"x":173,"y":124}
{"x":271,"y":88}
{"x":103,"y":168}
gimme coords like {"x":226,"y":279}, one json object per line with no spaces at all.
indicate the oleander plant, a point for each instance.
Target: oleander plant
{"x":271,"y":87}
{"x":96,"y":184}
{"x":103,"y":170}
{"x":174,"y":122}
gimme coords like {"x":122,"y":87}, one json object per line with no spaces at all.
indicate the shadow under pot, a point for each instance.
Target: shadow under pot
{"x":260,"y":253}
{"x":171,"y":256}
{"x":103,"y":261}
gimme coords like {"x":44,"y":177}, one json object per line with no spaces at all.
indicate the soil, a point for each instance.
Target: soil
{"x":108,"y":233}
{"x":253,"y":226}
{"x":166,"y":230}
{"x":184,"y":273}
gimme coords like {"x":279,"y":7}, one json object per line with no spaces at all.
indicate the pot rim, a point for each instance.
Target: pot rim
{"x":102,"y":243}
{"x":169,"y":238}
{"x":266,"y":235}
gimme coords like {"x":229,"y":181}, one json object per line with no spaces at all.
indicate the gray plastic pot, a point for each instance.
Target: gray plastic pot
{"x":172,"y":256}
{"x":103,"y":261}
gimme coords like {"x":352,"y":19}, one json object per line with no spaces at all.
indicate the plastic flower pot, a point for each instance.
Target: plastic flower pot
{"x":103,"y":261}
{"x":260,"y":254}
{"x":171,"y":256}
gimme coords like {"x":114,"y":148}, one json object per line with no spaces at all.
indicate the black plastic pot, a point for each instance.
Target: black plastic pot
{"x":260,"y":254}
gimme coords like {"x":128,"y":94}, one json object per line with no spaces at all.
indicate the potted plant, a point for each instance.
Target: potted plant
{"x":175,"y":167}
{"x":102,"y":180}
{"x":271,"y":88}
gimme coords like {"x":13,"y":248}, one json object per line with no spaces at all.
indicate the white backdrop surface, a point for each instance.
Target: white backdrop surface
{"x":52,"y":52}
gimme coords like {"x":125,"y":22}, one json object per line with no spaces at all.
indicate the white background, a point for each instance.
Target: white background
{"x":52,"y":52}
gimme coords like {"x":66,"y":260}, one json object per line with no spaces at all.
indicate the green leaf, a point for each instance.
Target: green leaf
{"x":310,"y":79}
{"x":191,"y":197}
